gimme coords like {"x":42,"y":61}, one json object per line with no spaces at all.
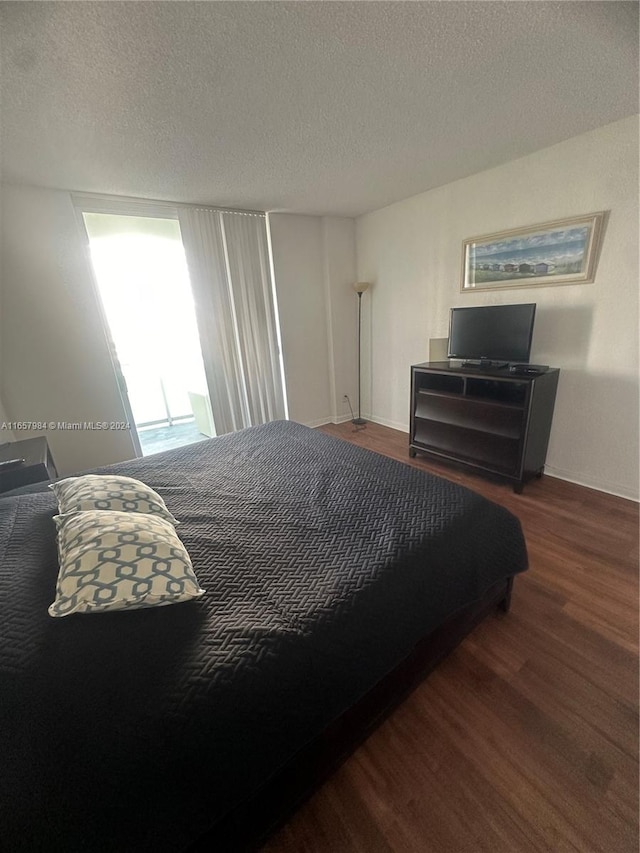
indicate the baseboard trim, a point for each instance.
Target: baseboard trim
{"x":590,"y":483}
{"x":331,"y":419}
{"x":391,"y":424}
{"x":317,"y":423}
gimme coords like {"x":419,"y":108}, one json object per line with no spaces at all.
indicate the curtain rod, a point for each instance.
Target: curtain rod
{"x":133,"y":201}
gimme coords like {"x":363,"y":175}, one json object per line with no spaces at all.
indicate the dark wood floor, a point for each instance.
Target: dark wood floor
{"x":526,"y":737}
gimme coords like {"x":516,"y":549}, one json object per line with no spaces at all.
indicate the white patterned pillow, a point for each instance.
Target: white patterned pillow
{"x":120,"y":560}
{"x":109,"y":492}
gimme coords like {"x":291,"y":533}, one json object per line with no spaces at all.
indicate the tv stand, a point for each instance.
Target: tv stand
{"x":482,"y":418}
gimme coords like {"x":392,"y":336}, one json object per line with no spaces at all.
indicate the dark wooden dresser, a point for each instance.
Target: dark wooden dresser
{"x":485,"y":418}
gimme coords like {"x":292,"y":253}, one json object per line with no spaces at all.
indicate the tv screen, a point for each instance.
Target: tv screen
{"x":493,"y":332}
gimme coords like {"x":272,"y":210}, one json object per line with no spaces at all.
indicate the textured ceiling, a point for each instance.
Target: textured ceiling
{"x":312,"y":107}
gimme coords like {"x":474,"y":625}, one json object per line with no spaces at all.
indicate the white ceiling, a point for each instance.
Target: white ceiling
{"x":312,"y":107}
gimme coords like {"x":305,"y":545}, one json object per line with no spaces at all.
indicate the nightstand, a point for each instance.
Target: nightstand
{"x":37,"y":465}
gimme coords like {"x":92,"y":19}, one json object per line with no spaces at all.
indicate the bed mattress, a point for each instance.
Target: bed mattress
{"x":323,"y":565}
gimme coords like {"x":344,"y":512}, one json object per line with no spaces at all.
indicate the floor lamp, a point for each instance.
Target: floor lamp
{"x":359,"y":287}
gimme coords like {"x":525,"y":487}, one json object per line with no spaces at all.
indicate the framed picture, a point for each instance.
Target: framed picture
{"x":560,"y":252}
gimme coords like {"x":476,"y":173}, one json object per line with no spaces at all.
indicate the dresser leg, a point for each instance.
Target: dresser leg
{"x":505,"y":604}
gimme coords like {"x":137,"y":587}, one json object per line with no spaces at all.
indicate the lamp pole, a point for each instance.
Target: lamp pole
{"x":360,"y":287}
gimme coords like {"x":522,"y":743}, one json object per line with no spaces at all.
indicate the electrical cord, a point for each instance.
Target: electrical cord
{"x":356,"y":427}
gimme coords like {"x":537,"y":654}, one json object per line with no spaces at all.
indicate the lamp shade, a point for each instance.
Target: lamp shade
{"x":361,"y":286}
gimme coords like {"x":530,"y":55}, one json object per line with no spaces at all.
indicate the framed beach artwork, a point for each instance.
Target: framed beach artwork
{"x":560,"y":252}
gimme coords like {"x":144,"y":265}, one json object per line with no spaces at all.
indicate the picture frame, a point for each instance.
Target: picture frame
{"x":564,"y":251}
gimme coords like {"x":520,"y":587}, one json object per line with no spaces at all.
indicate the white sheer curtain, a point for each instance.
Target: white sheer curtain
{"x":228,"y":262}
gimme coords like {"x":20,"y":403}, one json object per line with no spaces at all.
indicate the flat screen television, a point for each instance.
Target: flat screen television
{"x":492,"y":333}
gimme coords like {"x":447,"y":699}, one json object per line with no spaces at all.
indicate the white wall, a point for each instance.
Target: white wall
{"x":339,"y":251}
{"x":411,"y":251}
{"x":54,"y":357}
{"x":5,"y":433}
{"x":314,"y":267}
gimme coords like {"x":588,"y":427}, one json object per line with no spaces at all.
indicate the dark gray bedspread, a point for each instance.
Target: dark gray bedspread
{"x":323,"y":564}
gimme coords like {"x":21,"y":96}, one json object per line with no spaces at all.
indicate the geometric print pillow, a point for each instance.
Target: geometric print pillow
{"x":113,"y":560}
{"x":98,"y":491}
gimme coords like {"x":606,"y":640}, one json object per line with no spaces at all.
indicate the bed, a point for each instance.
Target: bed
{"x":334,"y":578}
